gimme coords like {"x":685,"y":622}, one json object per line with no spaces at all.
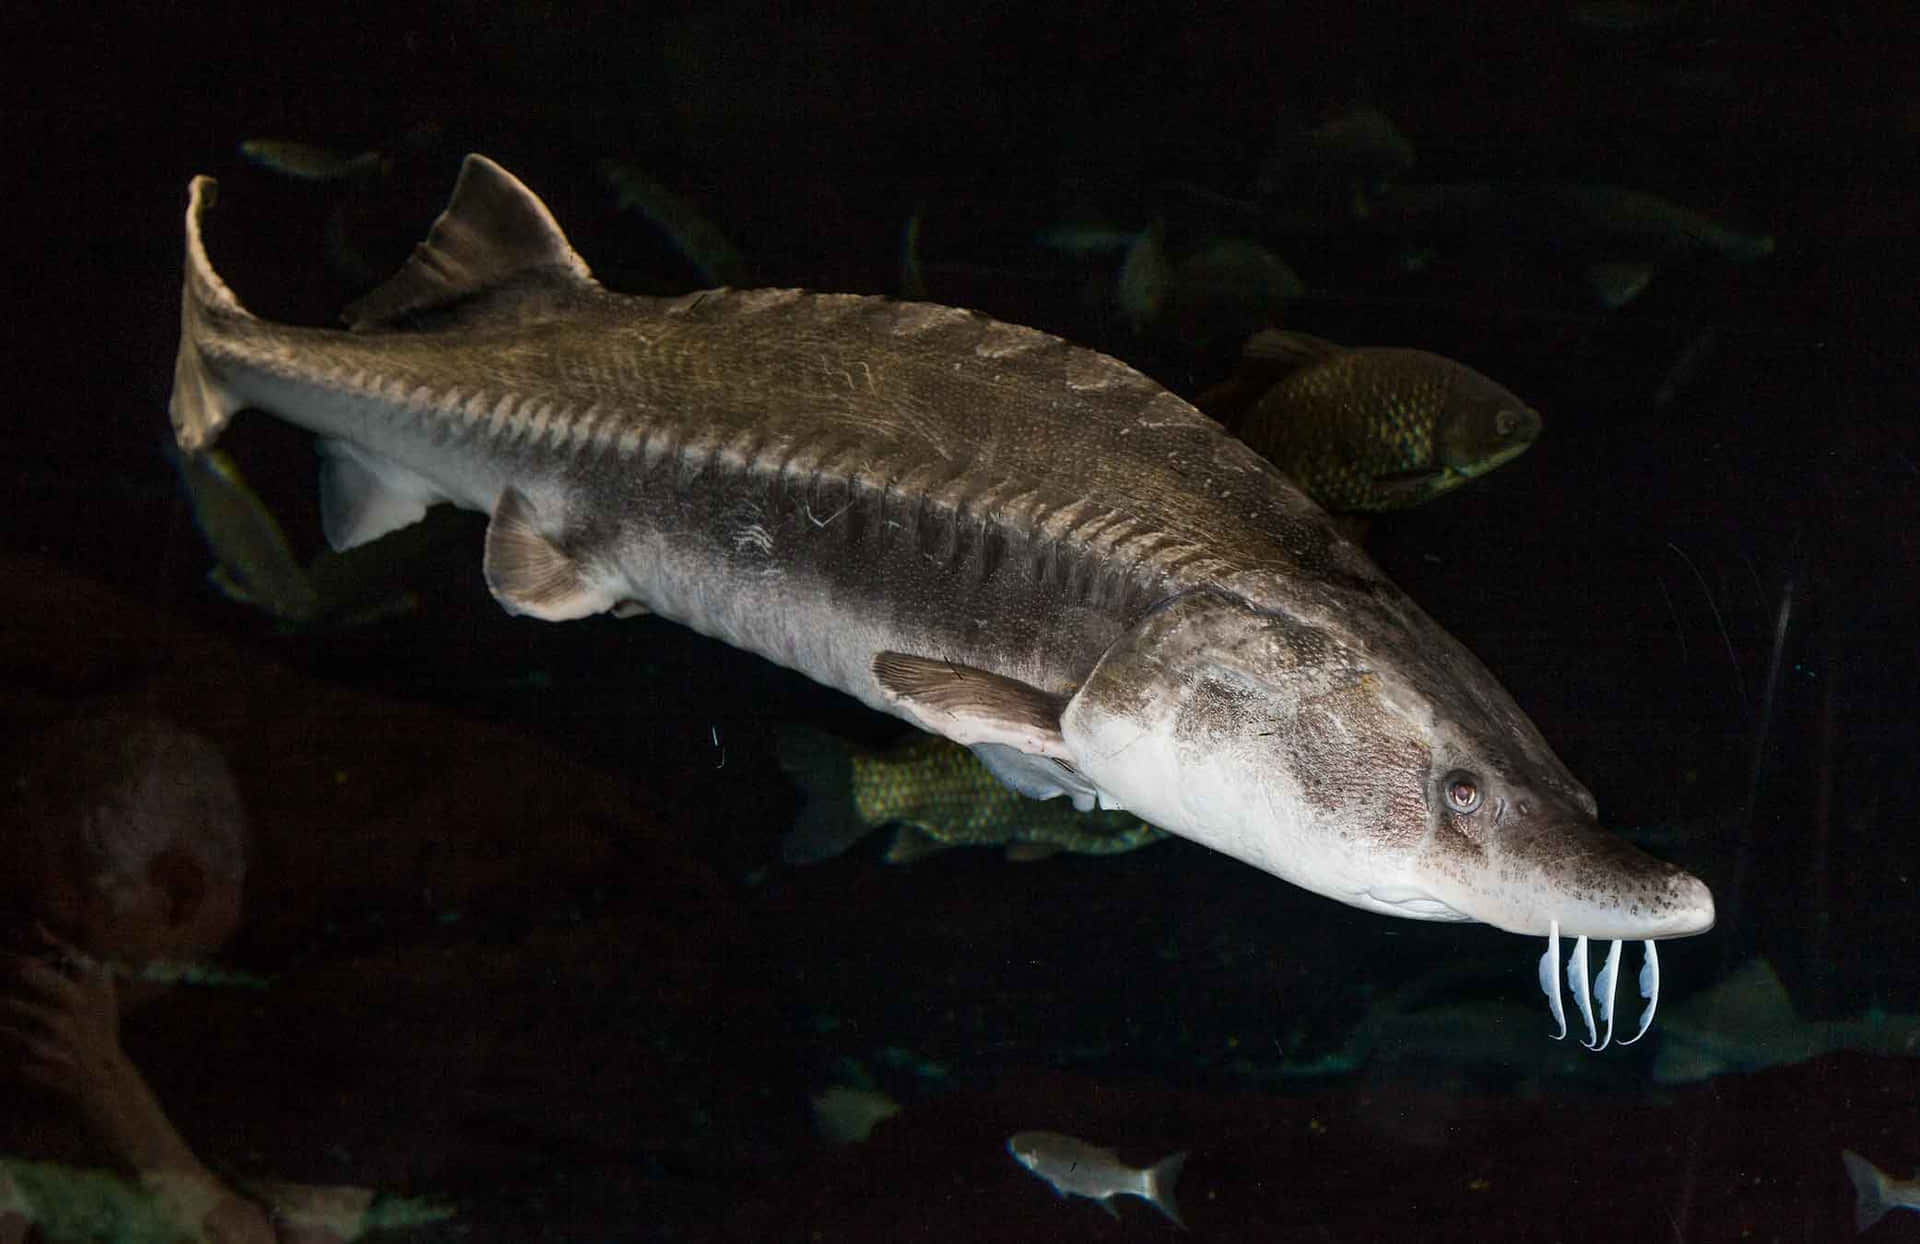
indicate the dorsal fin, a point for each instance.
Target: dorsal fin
{"x":1270,"y":356}
{"x":1279,"y":348}
{"x":493,"y":230}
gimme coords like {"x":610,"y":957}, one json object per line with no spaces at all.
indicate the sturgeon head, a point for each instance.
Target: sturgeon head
{"x":1392,"y":774}
{"x":1384,"y":780}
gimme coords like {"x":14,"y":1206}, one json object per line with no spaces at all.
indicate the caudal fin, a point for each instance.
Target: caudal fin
{"x":201,"y":405}
{"x":829,"y":823}
{"x":1869,"y":1186}
{"x":1161,"y":1177}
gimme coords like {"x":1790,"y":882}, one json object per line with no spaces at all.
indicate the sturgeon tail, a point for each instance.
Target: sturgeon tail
{"x":201,"y":405}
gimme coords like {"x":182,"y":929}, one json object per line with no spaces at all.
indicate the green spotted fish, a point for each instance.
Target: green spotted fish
{"x":1369,"y":429}
{"x":940,"y":796}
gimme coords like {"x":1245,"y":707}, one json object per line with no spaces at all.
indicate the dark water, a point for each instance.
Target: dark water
{"x":535,"y":956}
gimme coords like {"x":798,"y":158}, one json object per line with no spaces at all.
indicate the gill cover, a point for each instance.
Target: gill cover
{"x":1259,"y":735}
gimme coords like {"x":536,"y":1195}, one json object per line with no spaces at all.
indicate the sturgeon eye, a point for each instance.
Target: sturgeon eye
{"x":1462,"y":790}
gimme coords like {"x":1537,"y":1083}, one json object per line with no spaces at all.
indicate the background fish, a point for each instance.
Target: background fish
{"x":311,"y":162}
{"x":1217,"y":294}
{"x":1619,"y":237}
{"x":305,"y":161}
{"x":940,"y":796}
{"x":361,"y":190}
{"x":699,"y":241}
{"x":1076,"y":1168}
{"x":1647,"y":224}
{"x":1369,"y":429}
{"x":1345,"y":158}
{"x":846,"y":1114}
{"x":1348,"y":177}
{"x":68,"y":1202}
{"x":256,"y":565}
{"x":1207,"y":289}
{"x":1747,"y":1022}
{"x":1876,"y":1192}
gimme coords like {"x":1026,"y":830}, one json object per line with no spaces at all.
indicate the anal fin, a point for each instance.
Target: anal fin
{"x":911,"y":843}
{"x":529,"y":573}
{"x":364,"y":496}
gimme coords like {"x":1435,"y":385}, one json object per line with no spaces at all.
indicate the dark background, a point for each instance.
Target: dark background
{"x":1626,"y":578}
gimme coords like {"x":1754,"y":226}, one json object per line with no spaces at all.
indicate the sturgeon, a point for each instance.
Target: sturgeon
{"x":1020,"y":544}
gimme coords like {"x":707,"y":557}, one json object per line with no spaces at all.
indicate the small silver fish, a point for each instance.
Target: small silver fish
{"x":1076,"y":1168}
{"x":1877,"y":1191}
{"x":257,"y":566}
{"x":310,"y":162}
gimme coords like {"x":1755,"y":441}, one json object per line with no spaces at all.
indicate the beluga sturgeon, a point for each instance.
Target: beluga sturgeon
{"x":1022,"y":545}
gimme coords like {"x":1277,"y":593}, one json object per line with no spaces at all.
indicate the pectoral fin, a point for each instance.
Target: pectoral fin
{"x":1411,"y":486}
{"x":528,"y":572}
{"x":972,"y":706}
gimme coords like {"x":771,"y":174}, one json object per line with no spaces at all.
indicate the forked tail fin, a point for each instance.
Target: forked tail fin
{"x":201,"y":405}
{"x":830,"y":820}
{"x":1869,"y":1186}
{"x":1161,"y":1177}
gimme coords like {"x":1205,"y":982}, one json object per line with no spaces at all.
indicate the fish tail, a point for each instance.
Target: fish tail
{"x":201,"y":405}
{"x":829,"y":822}
{"x":1869,"y":1186}
{"x":1161,"y":1177}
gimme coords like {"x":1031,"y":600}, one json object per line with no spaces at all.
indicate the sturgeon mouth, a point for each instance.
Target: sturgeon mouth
{"x":1562,"y":870}
{"x":1564,"y":874}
